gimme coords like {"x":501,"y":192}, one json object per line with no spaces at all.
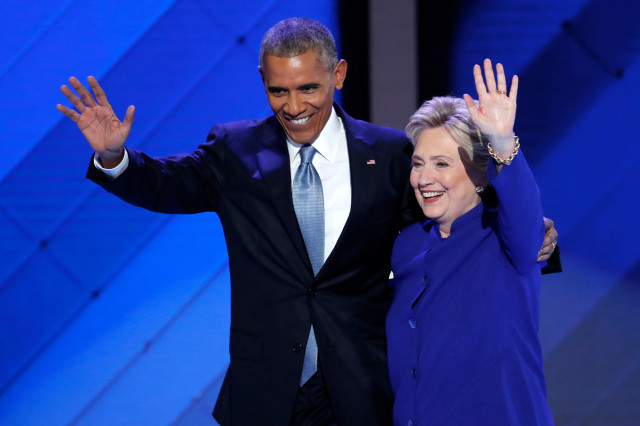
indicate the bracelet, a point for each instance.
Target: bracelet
{"x":510,"y":158}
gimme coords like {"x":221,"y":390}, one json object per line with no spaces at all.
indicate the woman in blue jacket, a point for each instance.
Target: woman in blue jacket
{"x":462,"y":331}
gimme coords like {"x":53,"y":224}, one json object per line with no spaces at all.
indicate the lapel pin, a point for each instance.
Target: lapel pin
{"x":371,"y":162}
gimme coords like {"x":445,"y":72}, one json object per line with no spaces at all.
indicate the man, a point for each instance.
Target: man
{"x":297,"y":283}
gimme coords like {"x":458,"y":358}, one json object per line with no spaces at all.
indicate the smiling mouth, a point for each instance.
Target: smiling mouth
{"x":431,"y":196}
{"x":300,"y":121}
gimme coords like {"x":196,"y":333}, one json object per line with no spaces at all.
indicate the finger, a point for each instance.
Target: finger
{"x":471,"y":106}
{"x":502,"y":81}
{"x":477,"y":77}
{"x":97,"y":90}
{"x":550,"y":239}
{"x":84,"y":93}
{"x":513,"y":94}
{"x":543,"y":257}
{"x":76,"y":101}
{"x":546,"y":251}
{"x":129,"y":117}
{"x":488,"y":74}
{"x":68,"y":112}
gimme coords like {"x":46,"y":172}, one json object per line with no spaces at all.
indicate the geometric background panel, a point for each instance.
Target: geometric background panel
{"x":37,"y":300}
{"x":110,"y":314}
{"x":41,"y":42}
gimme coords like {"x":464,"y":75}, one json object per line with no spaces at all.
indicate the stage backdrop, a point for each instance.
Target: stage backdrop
{"x":113,"y":315}
{"x":110,"y":314}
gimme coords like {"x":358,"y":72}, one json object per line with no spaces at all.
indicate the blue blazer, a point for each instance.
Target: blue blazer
{"x":463,"y":326}
{"x":243,"y":174}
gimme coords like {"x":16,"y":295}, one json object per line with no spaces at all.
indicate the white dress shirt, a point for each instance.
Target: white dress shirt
{"x":332,"y":164}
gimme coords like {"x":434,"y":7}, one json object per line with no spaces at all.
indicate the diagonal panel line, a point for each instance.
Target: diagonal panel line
{"x":102,"y":285}
{"x":79,"y":202}
{"x":560,"y":98}
{"x":217,"y":379}
{"x":35,"y":250}
{"x":150,"y":28}
{"x":595,"y":405}
{"x":149,"y":343}
{"x":16,"y":58}
{"x":65,"y":219}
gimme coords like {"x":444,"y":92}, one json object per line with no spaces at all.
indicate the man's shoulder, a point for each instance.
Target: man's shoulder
{"x":246,"y":133}
{"x":242,"y":127}
{"x":372,"y":132}
{"x":389,"y":133}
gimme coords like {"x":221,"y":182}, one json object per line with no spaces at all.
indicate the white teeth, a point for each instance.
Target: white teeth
{"x":301,"y":120}
{"x":432,"y":194}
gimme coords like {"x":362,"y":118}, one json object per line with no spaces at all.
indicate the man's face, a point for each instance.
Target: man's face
{"x":300,"y":92}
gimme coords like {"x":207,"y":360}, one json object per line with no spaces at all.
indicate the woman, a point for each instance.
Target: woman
{"x":463,"y":327}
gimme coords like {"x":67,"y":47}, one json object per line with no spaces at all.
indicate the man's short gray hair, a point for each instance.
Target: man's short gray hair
{"x":296,"y":36}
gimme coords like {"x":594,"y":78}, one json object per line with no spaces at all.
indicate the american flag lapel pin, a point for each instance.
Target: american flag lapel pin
{"x":372,"y":161}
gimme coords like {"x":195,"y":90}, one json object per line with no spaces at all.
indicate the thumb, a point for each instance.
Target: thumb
{"x":129,"y":117}
{"x":471,"y":106}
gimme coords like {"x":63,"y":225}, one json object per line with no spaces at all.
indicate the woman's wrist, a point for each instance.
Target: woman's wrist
{"x":501,"y":153}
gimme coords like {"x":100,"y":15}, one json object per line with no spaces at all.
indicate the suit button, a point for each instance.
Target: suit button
{"x":297,"y":347}
{"x":410,"y":422}
{"x":311,"y":291}
{"x":425,"y":280}
{"x":412,"y":323}
{"x":414,"y":373}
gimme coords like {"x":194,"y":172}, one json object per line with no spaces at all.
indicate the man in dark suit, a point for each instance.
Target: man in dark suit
{"x":292,"y":316}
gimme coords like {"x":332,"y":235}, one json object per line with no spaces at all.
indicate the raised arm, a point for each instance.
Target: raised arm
{"x":495,"y":116}
{"x":101,"y":127}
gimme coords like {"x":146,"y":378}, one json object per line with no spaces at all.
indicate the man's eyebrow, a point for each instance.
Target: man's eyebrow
{"x":276,"y":89}
{"x":308,"y":86}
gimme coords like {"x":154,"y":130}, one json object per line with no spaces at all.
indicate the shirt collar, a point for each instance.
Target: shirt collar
{"x":326,"y":143}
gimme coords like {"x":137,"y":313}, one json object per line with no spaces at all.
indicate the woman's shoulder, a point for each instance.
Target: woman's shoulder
{"x":410,"y":241}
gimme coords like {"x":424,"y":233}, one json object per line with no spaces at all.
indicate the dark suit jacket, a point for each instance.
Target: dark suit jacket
{"x":243,"y":174}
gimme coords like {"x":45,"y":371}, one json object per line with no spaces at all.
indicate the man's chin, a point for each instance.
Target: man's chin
{"x":300,"y":137}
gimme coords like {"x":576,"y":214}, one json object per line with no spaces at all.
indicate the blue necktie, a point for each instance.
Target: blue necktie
{"x":308,"y":202}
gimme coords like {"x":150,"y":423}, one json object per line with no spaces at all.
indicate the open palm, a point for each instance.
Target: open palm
{"x":96,"y":119}
{"x":495,"y":113}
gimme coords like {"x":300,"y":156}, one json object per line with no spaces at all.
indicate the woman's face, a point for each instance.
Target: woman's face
{"x":443,"y":177}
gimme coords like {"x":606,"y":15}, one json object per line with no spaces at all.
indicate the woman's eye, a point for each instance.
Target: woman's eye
{"x":442,"y":164}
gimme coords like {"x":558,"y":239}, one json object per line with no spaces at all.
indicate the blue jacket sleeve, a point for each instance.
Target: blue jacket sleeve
{"x":520,"y":218}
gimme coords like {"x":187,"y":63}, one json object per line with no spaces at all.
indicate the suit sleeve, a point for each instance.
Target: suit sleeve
{"x":520,"y":223}
{"x":183,"y":183}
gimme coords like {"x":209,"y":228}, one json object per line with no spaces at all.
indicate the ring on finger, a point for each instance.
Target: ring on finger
{"x":553,"y":246}
{"x":502,"y":92}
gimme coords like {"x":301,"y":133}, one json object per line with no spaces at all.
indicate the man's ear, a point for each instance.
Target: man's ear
{"x":340,"y":73}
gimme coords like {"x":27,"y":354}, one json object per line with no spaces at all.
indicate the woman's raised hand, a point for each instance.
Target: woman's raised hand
{"x":496,"y":112}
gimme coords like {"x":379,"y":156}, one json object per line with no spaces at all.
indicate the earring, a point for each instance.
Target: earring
{"x":479,"y":189}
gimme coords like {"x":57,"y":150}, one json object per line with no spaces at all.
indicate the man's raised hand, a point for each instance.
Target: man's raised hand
{"x":97,"y":121}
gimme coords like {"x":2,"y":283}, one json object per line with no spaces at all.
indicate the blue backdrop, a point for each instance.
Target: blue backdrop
{"x":93,"y":332}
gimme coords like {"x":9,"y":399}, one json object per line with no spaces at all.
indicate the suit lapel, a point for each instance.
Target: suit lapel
{"x":275,"y":169}
{"x":364,"y":181}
